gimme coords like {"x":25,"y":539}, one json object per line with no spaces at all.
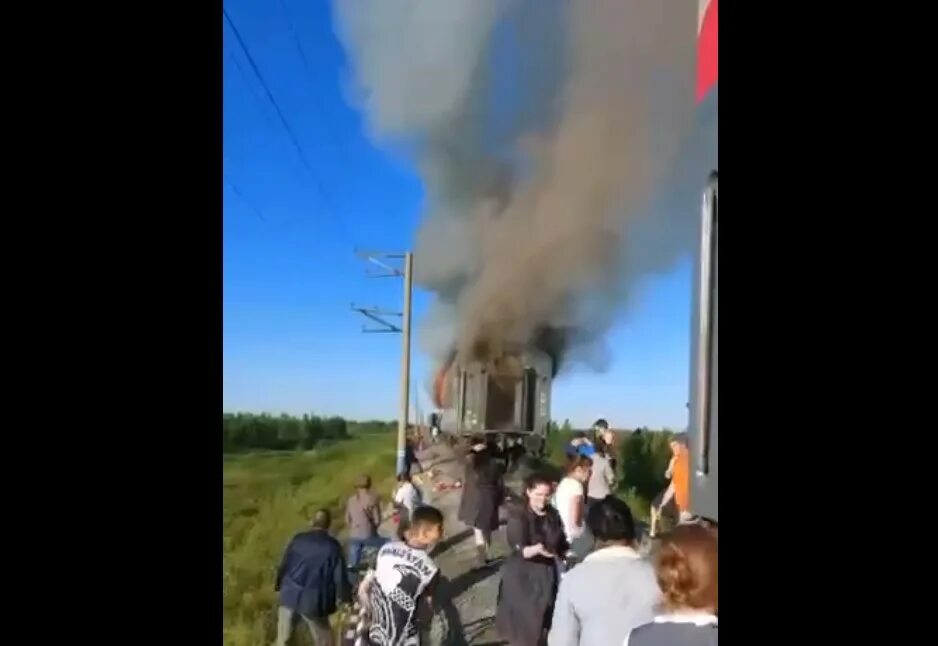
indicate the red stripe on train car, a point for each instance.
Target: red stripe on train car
{"x":707,"y":51}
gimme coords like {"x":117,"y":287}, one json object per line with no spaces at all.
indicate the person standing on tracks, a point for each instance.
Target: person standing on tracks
{"x":602,"y":480}
{"x":482,"y":494}
{"x":410,"y":457}
{"x":407,"y":498}
{"x":403,"y":578}
{"x":604,"y":440}
{"x":363,"y":517}
{"x":686,"y":569}
{"x":530,"y":574}
{"x":514,"y":453}
{"x":678,"y":489}
{"x":311,"y":581}
{"x":612,"y":591}
{"x":579,"y":445}
{"x":571,"y":504}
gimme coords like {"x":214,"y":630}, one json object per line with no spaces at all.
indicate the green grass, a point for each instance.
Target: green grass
{"x":267,"y":499}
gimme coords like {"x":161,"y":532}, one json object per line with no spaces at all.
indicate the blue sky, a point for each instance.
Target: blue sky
{"x":291,"y":342}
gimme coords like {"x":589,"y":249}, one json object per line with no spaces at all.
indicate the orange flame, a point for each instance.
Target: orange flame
{"x":440,"y":381}
{"x":439,"y":384}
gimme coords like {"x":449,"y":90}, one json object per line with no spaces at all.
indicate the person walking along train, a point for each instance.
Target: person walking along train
{"x":311,"y":581}
{"x":482,"y":495}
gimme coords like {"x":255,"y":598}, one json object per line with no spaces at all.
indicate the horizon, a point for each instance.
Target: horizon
{"x":393,"y":421}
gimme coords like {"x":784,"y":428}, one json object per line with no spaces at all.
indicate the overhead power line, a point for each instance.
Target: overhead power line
{"x":328,"y":202}
{"x":323,"y":113}
{"x":234,"y":189}
{"x":247,"y":83}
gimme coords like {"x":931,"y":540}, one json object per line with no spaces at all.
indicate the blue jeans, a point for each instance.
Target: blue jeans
{"x":357,"y":545}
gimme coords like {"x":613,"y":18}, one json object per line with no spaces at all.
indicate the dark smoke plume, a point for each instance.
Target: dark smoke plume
{"x":540,"y":129}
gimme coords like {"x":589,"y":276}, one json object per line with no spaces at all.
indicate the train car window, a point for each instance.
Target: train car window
{"x":707,"y":317}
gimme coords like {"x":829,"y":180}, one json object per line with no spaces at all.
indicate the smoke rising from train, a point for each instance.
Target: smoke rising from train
{"x":539,"y":128}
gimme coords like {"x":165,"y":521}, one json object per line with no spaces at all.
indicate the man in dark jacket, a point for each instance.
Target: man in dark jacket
{"x":312,"y":580}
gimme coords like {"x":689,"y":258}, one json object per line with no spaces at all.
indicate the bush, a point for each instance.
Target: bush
{"x":643,"y":460}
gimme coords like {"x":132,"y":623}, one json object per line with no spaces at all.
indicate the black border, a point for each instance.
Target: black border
{"x":795,"y":467}
{"x":124,"y":339}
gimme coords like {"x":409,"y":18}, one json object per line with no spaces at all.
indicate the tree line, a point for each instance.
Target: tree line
{"x":248,"y":431}
{"x":643,"y":453}
{"x":643,"y":459}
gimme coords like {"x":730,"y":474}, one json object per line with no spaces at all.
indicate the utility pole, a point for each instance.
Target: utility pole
{"x":405,"y":361}
{"x":377,"y":315}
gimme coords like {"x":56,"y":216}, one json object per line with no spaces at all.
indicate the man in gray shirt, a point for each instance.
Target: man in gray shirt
{"x":612,"y":591}
{"x":363,"y":517}
{"x":602,"y":480}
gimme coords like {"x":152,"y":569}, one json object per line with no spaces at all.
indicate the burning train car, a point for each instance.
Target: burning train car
{"x":507,"y":396}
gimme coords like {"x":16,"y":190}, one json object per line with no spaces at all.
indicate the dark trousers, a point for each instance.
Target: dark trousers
{"x":357,"y":545}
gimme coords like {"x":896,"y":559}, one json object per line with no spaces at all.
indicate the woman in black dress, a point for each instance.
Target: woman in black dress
{"x":530,"y":574}
{"x":482,"y":495}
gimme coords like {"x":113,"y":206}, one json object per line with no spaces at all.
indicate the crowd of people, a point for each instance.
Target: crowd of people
{"x":573,"y":576}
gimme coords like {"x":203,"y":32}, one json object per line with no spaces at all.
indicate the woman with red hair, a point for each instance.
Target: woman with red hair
{"x":686,"y":569}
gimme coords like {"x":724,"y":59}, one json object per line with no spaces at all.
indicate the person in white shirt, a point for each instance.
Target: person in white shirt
{"x":571,"y":504}
{"x":407,"y":498}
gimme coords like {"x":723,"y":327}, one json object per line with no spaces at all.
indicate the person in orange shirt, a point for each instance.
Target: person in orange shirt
{"x":679,"y":487}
